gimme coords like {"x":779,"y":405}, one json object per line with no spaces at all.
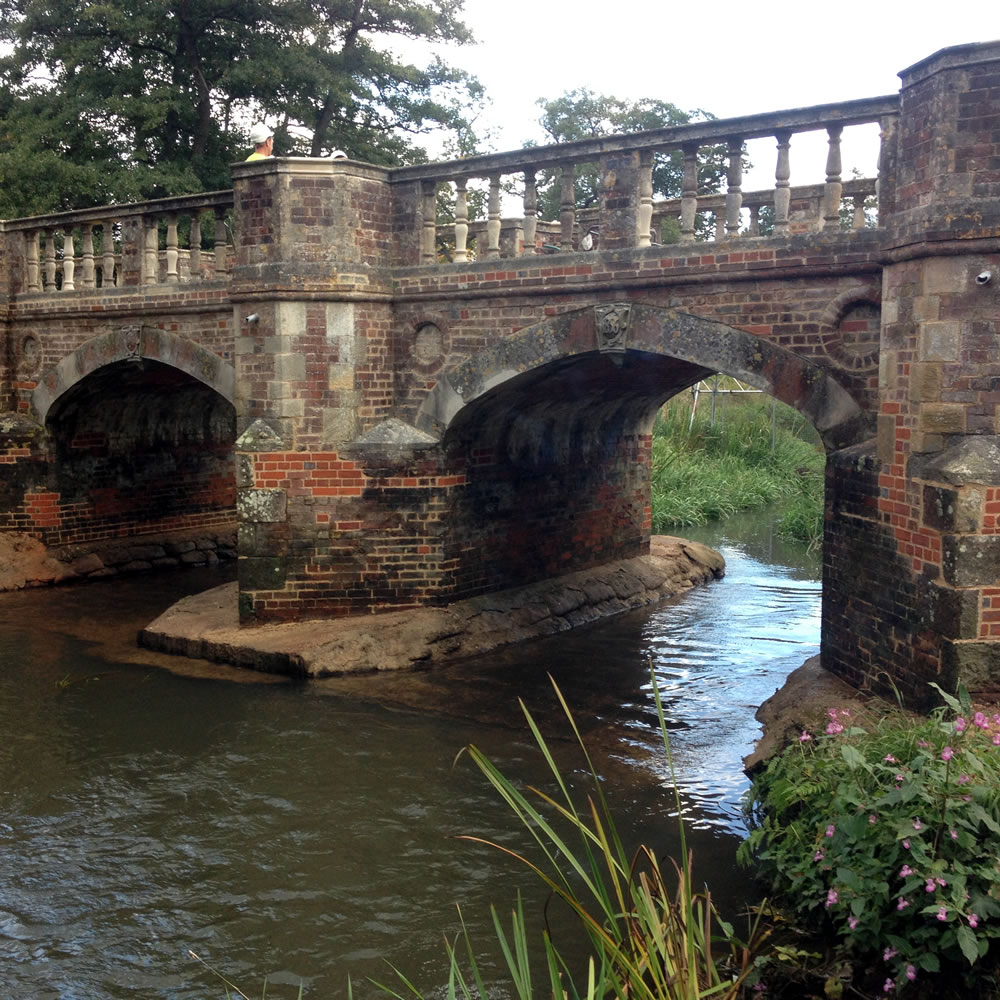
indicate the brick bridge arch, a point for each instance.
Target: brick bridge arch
{"x":133,"y":343}
{"x":626,"y":359}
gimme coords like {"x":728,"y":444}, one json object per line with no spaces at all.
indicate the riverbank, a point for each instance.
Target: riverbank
{"x":206,"y":626}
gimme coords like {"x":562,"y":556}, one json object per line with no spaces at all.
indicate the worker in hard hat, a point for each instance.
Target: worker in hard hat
{"x":263,"y":142}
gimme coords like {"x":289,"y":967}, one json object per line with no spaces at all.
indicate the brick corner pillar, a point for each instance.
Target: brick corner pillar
{"x":311,"y":294}
{"x":921,"y":515}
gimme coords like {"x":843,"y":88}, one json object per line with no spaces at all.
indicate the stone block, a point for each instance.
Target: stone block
{"x":261,"y":505}
{"x":923,"y":443}
{"x":939,"y":341}
{"x":942,"y":418}
{"x":975,"y":665}
{"x":261,"y":573}
{"x":886,"y":437}
{"x":926,"y":381}
{"x":953,"y":613}
{"x":945,"y":275}
{"x":340,"y":424}
{"x":952,"y":510}
{"x":290,"y":367}
{"x":926,"y":307}
{"x":888,"y":369}
{"x":971,"y":560}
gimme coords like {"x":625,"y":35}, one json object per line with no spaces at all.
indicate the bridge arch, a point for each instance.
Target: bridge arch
{"x":134,"y":344}
{"x":625,"y":359}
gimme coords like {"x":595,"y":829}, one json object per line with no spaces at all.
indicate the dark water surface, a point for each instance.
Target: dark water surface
{"x":309,"y":830}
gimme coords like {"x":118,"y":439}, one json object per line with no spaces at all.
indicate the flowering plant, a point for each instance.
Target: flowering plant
{"x":887,"y":843}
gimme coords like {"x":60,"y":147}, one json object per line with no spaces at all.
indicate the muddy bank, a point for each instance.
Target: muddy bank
{"x":205,"y":625}
{"x":26,"y":562}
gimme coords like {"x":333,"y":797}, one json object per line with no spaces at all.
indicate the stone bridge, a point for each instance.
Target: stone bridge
{"x":401,"y":413}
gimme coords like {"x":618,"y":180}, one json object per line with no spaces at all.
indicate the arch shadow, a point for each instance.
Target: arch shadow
{"x":133,"y":344}
{"x":625,"y":360}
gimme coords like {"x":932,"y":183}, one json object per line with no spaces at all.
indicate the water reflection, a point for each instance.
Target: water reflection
{"x":309,"y":830}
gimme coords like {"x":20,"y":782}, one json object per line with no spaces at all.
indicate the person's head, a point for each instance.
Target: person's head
{"x":262,"y":138}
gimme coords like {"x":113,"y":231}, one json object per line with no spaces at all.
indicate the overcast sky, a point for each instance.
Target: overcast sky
{"x":728,"y":58}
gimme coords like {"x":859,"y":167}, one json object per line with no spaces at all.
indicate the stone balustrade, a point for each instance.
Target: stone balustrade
{"x":627,"y":216}
{"x":166,"y":241}
{"x":185,"y":239}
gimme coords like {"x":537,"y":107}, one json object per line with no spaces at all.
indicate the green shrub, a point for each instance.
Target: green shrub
{"x":886,"y":843}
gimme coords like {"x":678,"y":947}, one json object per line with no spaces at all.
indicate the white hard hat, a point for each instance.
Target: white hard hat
{"x":338,"y":154}
{"x":260,"y":134}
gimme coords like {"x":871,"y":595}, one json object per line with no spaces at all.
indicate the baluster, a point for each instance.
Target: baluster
{"x":50,"y":260}
{"x":220,"y":242}
{"x":493,"y":223}
{"x":530,"y":211}
{"x":782,"y":188}
{"x":151,"y":254}
{"x":31,"y":257}
{"x":88,"y":278}
{"x":734,"y":193}
{"x":689,"y":193}
{"x":755,"y":220}
{"x":858,"y":220}
{"x":567,"y":208}
{"x":194,"y":253}
{"x":831,"y":193}
{"x":428,"y":241}
{"x":108,"y":254}
{"x":461,"y":220}
{"x":720,"y":223}
{"x":886,"y":165}
{"x":644,"y":214}
{"x":172,"y":251}
{"x":69,"y":261}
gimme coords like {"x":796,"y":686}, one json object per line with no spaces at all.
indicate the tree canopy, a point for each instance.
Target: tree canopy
{"x":114,"y":100}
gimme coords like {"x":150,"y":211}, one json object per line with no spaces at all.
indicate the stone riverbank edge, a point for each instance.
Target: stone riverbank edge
{"x":205,"y":626}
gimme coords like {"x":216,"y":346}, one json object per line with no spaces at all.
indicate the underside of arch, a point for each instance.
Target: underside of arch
{"x":613,"y":366}
{"x":133,"y":344}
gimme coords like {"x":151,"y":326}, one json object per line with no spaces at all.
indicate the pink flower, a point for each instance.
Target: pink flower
{"x":911,"y":973}
{"x":832,"y":728}
{"x":940,"y":881}
{"x":981,"y":721}
{"x":889,"y":759}
{"x":996,"y":739}
{"x":830,"y":830}
{"x":889,"y":953}
{"x":900,"y":778}
{"x":960,"y":725}
{"x":906,"y":843}
{"x":942,"y":913}
{"x":973,"y":920}
{"x":805,"y":737}
{"x":888,"y":986}
{"x":923,"y":744}
{"x":905,"y":870}
{"x":947,"y":753}
{"x":902,"y":904}
{"x":832,"y":712}
{"x":818,"y":856}
{"x":954,"y":834}
{"x":918,"y":826}
{"x":964,"y":779}
{"x":831,"y":898}
{"x":930,"y":885}
{"x":852,"y":922}
{"x":872,"y":820}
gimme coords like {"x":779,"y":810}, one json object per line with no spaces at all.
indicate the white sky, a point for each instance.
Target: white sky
{"x":725,"y":57}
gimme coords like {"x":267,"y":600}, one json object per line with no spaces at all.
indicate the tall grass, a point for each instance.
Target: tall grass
{"x":703,"y":472}
{"x":652,"y":935}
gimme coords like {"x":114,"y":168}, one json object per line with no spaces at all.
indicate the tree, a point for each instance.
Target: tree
{"x":582,"y":114}
{"x":127,"y":99}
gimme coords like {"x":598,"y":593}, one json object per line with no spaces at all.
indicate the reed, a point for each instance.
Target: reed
{"x":651,"y":934}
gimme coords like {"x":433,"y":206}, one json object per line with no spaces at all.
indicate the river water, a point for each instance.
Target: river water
{"x":308,"y":832}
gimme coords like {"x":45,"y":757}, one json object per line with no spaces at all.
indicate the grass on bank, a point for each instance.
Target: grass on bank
{"x":704,"y":471}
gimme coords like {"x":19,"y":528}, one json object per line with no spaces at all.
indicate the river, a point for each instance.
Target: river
{"x":308,"y":832}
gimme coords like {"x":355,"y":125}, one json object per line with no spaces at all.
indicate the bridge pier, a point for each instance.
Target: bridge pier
{"x":912,"y":575}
